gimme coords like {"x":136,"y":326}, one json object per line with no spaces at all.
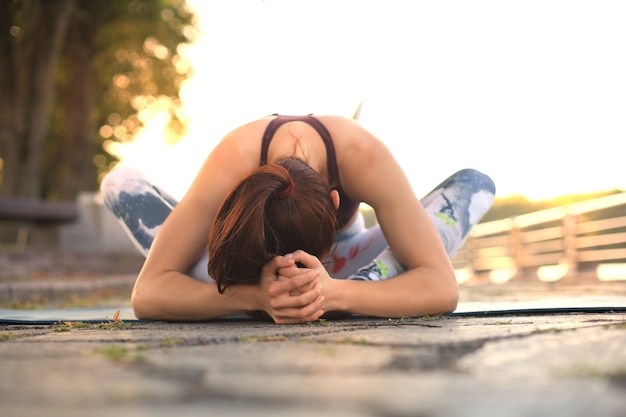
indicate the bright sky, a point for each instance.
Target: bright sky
{"x":531,"y":92}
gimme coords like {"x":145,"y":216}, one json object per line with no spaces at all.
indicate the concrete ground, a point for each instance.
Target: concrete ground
{"x":512,"y":365}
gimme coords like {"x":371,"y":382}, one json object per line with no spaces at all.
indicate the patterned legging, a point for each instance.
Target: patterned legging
{"x":454,"y":206}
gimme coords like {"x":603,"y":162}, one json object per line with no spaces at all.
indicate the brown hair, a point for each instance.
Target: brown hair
{"x":277,"y":209}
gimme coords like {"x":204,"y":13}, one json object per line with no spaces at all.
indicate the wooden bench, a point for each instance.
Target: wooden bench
{"x":35,"y":214}
{"x":38,"y":211}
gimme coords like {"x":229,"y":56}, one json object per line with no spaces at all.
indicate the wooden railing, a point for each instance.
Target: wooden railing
{"x":564,"y":243}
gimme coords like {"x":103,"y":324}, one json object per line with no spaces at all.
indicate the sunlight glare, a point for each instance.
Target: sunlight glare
{"x":530,"y":93}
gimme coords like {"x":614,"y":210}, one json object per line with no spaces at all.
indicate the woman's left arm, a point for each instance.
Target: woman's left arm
{"x":370,"y":173}
{"x":415,"y":292}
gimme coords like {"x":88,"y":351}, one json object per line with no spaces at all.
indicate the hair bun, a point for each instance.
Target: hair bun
{"x":287,"y":191}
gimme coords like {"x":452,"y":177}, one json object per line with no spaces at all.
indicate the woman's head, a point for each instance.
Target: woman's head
{"x":275,"y":210}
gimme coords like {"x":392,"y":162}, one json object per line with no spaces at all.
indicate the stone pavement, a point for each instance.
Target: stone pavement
{"x":557,"y":365}
{"x":502,"y":365}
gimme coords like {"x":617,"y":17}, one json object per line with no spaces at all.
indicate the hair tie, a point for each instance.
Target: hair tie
{"x":287,"y":191}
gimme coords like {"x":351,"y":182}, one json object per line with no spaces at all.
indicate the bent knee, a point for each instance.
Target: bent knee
{"x":479,"y":179}
{"x":119,"y":179}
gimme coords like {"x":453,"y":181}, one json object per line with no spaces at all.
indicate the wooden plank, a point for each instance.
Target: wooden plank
{"x":488,"y":242}
{"x":538,"y":217}
{"x":540,"y":259}
{"x":490,"y":264}
{"x":492,"y":252}
{"x":601,"y":255}
{"x":548,"y":233}
{"x":601,"y":225}
{"x":492,"y":228}
{"x":600,"y":240}
{"x":543,"y":247}
{"x":598,"y":203}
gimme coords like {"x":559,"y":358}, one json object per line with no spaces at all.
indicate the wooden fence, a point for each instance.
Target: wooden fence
{"x":573,"y":242}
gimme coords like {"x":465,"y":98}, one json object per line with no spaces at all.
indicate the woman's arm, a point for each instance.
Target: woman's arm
{"x":187,"y":299}
{"x":371,"y":174}
{"x":164,"y":291}
{"x":416,"y":292}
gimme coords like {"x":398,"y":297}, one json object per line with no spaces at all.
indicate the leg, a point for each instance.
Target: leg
{"x":141,"y":209}
{"x":355,"y":247}
{"x":455,"y":206}
{"x":458,"y":204}
{"x":362,"y":254}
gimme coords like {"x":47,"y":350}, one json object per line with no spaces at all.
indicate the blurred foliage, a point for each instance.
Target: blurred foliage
{"x":138,"y":66}
{"x":138,"y":62}
{"x":119,"y":64}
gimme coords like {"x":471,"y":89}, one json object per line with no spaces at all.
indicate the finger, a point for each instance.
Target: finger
{"x":310,"y":312}
{"x":300,"y":300}
{"x":291,"y":271}
{"x":290,"y":320}
{"x":285,"y":261}
{"x":306,"y":287}
{"x":278,"y":262}
{"x":306,"y":259}
{"x":285,"y":285}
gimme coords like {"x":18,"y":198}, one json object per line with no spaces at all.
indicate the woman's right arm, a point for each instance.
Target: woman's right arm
{"x":164,"y":291}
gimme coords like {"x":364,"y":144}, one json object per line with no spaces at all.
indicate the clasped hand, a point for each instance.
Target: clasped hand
{"x":292,"y":294}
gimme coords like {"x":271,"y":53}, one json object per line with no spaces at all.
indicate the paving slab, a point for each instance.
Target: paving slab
{"x":514,"y":365}
{"x":558,"y":365}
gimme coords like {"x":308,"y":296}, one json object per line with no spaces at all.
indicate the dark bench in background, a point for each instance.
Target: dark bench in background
{"x":20,"y":218}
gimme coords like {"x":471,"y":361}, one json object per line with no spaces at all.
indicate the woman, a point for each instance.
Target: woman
{"x":251,"y":194}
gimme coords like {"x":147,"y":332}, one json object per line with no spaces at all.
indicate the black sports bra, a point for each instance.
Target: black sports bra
{"x":347,"y":208}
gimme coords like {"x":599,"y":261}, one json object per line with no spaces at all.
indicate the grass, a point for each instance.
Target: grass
{"x":591,"y":371}
{"x":114,"y":324}
{"x":353,"y":341}
{"x":117,"y":353}
{"x":621,"y":326}
{"x":320,"y":322}
{"x":256,"y":339}
{"x":7,"y":336}
{"x":170,"y":342}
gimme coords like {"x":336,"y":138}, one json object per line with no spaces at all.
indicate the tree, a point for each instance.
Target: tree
{"x":31,"y":43}
{"x":108,"y":61}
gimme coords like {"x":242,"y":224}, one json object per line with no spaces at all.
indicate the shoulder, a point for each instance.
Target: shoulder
{"x":350,"y":137}
{"x":367,"y":167}
{"x":340,"y":126}
{"x":234,"y":156}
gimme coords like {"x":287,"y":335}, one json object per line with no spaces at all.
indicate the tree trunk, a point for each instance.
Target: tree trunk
{"x":8,"y":125}
{"x":29,"y":101}
{"x":77,"y":145}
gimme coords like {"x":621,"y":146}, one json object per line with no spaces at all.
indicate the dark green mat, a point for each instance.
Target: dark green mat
{"x":465,"y":309}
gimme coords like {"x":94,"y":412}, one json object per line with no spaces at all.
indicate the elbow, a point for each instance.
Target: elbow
{"x":140,"y":305}
{"x":450,"y":299}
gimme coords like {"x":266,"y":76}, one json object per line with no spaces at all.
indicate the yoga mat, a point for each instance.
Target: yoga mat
{"x":56,"y":315}
{"x":482,"y":309}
